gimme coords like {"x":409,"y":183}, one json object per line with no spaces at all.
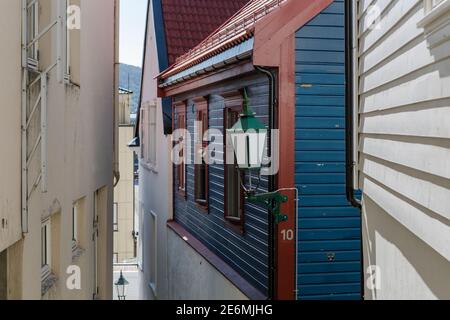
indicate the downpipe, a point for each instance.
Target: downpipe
{"x":349,"y":107}
{"x":272,"y":106}
{"x":116,"y":170}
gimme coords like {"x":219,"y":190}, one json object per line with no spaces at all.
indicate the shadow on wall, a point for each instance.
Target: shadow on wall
{"x":396,"y":243}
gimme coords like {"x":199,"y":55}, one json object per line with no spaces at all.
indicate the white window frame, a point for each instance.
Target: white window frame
{"x":154,"y":254}
{"x":435,"y":21}
{"x":149,"y":127}
{"x":33,"y":28}
{"x":75,"y":235}
{"x":152,"y":131}
{"x":67,"y":40}
{"x":115,"y":217}
{"x":430,"y":5}
{"x":46,"y":250}
{"x":143,"y":131}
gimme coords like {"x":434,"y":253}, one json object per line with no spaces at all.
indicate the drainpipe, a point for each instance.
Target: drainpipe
{"x":116,"y":171}
{"x":349,"y":107}
{"x":272,"y":105}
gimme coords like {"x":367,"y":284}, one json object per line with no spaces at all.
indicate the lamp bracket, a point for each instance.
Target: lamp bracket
{"x":272,"y":200}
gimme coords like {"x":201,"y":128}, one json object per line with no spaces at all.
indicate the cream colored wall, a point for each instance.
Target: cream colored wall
{"x":10,"y":121}
{"x":124,"y":197}
{"x":80,"y":157}
{"x":404,"y":92}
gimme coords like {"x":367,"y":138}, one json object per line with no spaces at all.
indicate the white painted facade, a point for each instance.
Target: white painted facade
{"x":404,"y":158}
{"x":79,"y":155}
{"x":171,"y":268}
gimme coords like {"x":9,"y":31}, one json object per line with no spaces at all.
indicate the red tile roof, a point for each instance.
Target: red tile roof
{"x":187,"y":23}
{"x":237,"y":29}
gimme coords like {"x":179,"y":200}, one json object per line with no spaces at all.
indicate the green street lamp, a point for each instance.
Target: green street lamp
{"x":121,"y":286}
{"x":249,"y":136}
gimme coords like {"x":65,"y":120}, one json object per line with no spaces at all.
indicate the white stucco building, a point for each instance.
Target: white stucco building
{"x":56,"y":175}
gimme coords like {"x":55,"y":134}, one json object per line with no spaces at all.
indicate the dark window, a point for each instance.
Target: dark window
{"x":234,"y":192}
{"x":180,"y":110}
{"x":201,"y":168}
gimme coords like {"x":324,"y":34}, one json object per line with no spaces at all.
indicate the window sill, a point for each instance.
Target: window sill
{"x":436,"y":24}
{"x":434,"y":14}
{"x":48,"y":283}
{"x":77,"y":253}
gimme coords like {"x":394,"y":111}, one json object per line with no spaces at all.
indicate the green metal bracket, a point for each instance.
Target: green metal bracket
{"x":273,"y":201}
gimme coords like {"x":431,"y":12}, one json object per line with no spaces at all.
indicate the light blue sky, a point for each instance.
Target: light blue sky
{"x":132,"y":30}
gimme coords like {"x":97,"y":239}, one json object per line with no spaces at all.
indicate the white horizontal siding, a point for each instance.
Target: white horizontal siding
{"x":404,"y":97}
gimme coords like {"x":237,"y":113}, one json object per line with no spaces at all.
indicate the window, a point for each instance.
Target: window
{"x":149,"y":133}
{"x":152,"y":112}
{"x":201,"y":168}
{"x":436,"y":16}
{"x":180,"y":110}
{"x":116,"y":217}
{"x":33,"y":30}
{"x":74,"y":227}
{"x":234,"y":192}
{"x":73,"y":17}
{"x":153,"y":252}
{"x":115,"y":258}
{"x":143,"y":131}
{"x":45,"y":249}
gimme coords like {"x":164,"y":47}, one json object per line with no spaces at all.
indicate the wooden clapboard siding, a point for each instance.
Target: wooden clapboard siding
{"x":246,"y":253}
{"x":329,"y":229}
{"x":404,"y":105}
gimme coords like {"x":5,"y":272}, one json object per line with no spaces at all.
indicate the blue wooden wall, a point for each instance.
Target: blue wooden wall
{"x":329,"y":243}
{"x":247,"y":253}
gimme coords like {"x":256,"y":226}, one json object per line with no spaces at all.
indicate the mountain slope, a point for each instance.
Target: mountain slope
{"x":130,"y":78}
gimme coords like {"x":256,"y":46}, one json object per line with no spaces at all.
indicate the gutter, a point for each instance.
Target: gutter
{"x":349,"y":107}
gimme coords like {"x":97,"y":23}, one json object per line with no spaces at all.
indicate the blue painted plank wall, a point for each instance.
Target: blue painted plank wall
{"x":247,"y":253}
{"x":329,"y":243}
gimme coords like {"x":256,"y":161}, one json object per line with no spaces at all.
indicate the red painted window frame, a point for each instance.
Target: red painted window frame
{"x":201,"y":114}
{"x":233,"y":103}
{"x":180,"y":109}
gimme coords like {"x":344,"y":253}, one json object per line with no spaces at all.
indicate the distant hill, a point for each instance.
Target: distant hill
{"x":130,"y":78}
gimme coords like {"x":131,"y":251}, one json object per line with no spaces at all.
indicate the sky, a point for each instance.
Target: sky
{"x":132,"y":31}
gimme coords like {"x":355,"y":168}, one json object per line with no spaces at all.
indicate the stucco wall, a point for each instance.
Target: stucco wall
{"x":404,"y":95}
{"x":10,"y":108}
{"x":155,"y":187}
{"x":80,"y":157}
{"x":192,"y":277}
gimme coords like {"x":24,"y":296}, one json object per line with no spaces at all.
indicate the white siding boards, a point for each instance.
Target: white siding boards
{"x":404,"y":114}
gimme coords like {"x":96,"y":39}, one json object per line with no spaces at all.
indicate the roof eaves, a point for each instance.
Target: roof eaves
{"x":232,"y":55}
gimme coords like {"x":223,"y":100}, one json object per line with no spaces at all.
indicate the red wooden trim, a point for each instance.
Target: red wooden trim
{"x":236,"y":70}
{"x":275,"y":47}
{"x":247,"y":289}
{"x":201,"y":106}
{"x":285,"y":254}
{"x":272,"y":31}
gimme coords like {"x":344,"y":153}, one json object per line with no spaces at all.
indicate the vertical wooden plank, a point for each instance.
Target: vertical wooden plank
{"x":286,"y":114}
